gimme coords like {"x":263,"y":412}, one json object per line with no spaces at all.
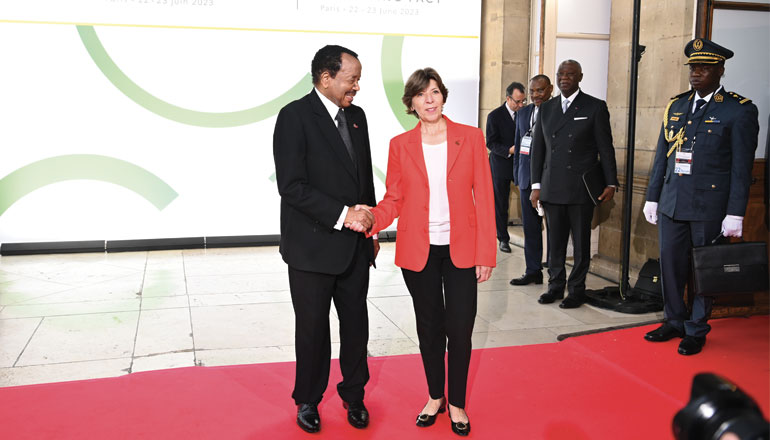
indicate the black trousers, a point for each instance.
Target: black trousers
{"x":311,"y":295}
{"x":444,"y":299}
{"x":533,"y":234}
{"x":502,"y":189}
{"x":563,"y":220}
{"x":676,"y":239}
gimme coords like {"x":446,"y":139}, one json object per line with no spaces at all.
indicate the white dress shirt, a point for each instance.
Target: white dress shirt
{"x":706,"y":98}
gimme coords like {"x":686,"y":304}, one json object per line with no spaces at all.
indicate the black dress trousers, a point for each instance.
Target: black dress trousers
{"x":311,"y":296}
{"x":563,"y":221}
{"x":444,"y":299}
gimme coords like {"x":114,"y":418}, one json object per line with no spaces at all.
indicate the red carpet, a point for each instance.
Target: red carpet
{"x":605,"y":386}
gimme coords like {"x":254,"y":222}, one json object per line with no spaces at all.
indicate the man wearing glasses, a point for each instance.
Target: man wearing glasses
{"x":501,"y":131}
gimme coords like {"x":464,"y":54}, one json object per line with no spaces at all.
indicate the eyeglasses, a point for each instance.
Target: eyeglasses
{"x":519,"y":101}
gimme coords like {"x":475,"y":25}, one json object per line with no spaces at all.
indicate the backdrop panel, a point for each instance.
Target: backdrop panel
{"x":131,"y":119}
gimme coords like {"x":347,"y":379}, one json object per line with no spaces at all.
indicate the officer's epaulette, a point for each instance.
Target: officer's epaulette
{"x":737,"y":97}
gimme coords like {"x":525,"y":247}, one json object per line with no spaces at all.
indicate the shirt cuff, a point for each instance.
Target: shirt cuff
{"x":341,"y":220}
{"x":535,"y":186}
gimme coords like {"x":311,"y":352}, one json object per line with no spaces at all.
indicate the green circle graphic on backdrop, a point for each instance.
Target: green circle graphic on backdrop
{"x":52,"y":170}
{"x":392,"y":80}
{"x":175,"y":113}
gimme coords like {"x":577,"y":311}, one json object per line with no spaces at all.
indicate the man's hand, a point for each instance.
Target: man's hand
{"x":483,"y":273}
{"x":359,"y":218}
{"x":732,"y":226}
{"x":607,"y":194}
{"x":534,"y":197}
{"x":376,"y":250}
{"x":651,"y":212}
{"x":512,"y":149}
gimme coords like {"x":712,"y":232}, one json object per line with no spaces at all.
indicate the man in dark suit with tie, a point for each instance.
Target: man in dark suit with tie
{"x":571,"y":134}
{"x":501,"y":129}
{"x":699,"y":185}
{"x":540,"y":89}
{"x":324,"y":170}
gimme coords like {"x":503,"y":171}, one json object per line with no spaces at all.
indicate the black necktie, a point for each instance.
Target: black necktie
{"x":698,"y":104}
{"x":342,"y":127}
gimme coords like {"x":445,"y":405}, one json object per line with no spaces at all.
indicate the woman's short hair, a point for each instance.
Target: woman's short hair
{"x":419,"y":81}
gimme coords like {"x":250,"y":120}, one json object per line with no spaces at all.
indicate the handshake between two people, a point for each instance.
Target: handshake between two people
{"x":359,"y":218}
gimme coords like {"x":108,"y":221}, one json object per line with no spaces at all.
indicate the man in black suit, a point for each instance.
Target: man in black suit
{"x":696,"y":192}
{"x":501,"y":129}
{"x":324,"y":170}
{"x":571,"y":134}
{"x":540,"y":89}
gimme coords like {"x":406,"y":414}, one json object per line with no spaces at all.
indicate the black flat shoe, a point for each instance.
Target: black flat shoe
{"x":358,"y":415}
{"x":528,"y":278}
{"x":691,"y":345}
{"x":572,"y":302}
{"x":425,"y":420}
{"x":549,"y":297}
{"x":308,"y":418}
{"x":460,"y":428}
{"x":505,"y":247}
{"x":664,"y":333}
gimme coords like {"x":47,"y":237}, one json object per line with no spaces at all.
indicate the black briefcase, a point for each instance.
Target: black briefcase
{"x":648,"y":286}
{"x":725,"y":269}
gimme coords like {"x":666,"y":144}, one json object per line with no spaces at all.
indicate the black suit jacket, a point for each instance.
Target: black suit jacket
{"x":565,"y":145}
{"x":521,"y":161}
{"x":316,"y":179}
{"x":500,"y":135}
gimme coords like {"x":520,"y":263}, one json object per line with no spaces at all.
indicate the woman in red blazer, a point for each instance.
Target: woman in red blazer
{"x":439,"y":187}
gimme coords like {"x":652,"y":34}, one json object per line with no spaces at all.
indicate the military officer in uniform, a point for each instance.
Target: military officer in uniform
{"x":699,"y":185}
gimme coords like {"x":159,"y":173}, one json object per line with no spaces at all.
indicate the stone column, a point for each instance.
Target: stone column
{"x":504,"y":58}
{"x":664,"y":29}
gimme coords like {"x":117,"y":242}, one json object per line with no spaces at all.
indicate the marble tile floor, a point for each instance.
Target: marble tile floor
{"x":80,"y":316}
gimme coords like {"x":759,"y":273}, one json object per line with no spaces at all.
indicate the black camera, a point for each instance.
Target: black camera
{"x":719,"y":410}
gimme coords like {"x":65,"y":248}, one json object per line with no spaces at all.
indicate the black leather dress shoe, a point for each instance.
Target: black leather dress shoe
{"x":425,"y":420}
{"x":358,"y":416}
{"x":549,"y":297}
{"x":308,"y":418}
{"x":460,"y":428}
{"x":572,"y":302}
{"x":691,"y":345}
{"x":528,"y":278}
{"x":664,"y":333}
{"x":505,"y":247}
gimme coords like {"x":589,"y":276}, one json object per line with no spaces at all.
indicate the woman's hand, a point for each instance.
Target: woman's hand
{"x":483,"y":273}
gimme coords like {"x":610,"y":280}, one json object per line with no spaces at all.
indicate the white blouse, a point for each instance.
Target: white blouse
{"x":438,"y":217}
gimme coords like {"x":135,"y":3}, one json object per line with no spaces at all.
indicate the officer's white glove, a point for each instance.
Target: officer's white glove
{"x":651,"y":212}
{"x":732,"y":226}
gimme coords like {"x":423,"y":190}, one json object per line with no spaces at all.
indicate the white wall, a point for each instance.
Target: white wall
{"x":582,"y":34}
{"x":747,"y":33}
